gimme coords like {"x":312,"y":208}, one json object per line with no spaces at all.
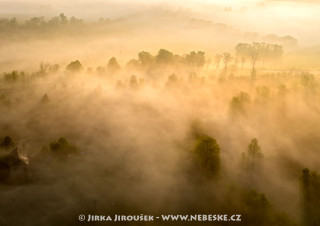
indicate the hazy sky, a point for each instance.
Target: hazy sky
{"x":299,"y":18}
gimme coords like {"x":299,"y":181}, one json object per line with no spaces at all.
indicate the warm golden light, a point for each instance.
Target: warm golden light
{"x":133,"y":111}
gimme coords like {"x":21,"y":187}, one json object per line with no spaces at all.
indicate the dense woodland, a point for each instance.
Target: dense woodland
{"x":163,"y":133}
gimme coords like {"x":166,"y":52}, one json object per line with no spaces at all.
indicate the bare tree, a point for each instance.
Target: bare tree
{"x":226,"y":60}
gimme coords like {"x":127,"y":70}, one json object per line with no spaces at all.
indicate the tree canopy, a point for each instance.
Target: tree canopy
{"x":74,"y":66}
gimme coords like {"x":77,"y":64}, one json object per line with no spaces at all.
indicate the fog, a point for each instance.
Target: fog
{"x":281,"y":17}
{"x":152,"y":107}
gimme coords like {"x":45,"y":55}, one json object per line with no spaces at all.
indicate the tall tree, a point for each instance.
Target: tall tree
{"x":226,"y":57}
{"x":310,"y":185}
{"x":145,"y":58}
{"x":164,"y":57}
{"x":254,"y":54}
{"x":254,"y":152}
{"x":256,"y":50}
{"x":239,"y":103}
{"x":113,"y":65}
{"x":196,"y":59}
{"x":207,"y":155}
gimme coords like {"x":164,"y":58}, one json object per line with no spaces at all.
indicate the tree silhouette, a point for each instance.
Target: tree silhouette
{"x":74,"y":66}
{"x":249,"y":50}
{"x":310,"y":185}
{"x":13,"y":76}
{"x":256,"y":50}
{"x":239,"y":103}
{"x":226,"y":57}
{"x":62,"y":148}
{"x":258,"y":208}
{"x":308,"y":81}
{"x":276,"y":51}
{"x":63,"y":19}
{"x":164,"y":57}
{"x":75,"y":21}
{"x":172,"y":81}
{"x":132,"y":64}
{"x":113,"y":65}
{"x":207,"y":155}
{"x":263,"y":94}
{"x":254,"y":152}
{"x":6,"y":143}
{"x":196,"y":59}
{"x":254,"y":54}
{"x":45,"y":99}
{"x":145,"y":58}
{"x":134,"y":82}
{"x":53,"y":68}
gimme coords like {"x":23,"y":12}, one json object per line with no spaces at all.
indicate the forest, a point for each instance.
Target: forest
{"x":107,"y":117}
